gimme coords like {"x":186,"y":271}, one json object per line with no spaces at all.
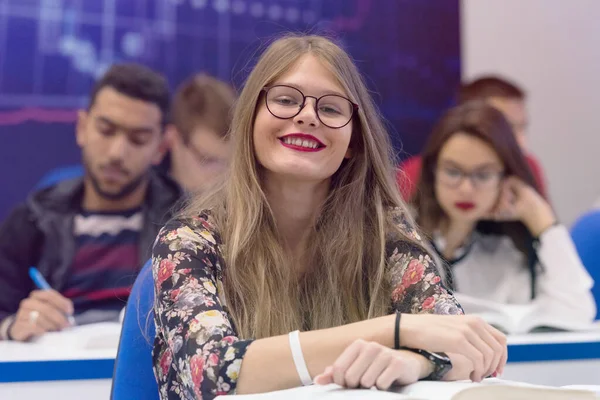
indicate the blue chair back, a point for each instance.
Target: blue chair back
{"x":586,"y":236}
{"x":133,"y":375}
{"x":58,"y":175}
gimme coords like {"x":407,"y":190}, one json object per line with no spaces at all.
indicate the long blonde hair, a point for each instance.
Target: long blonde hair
{"x":348,"y":280}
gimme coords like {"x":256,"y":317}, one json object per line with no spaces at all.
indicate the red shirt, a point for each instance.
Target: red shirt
{"x":409,"y":174}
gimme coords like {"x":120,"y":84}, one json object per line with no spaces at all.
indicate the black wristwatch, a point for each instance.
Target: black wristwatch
{"x":441,"y":363}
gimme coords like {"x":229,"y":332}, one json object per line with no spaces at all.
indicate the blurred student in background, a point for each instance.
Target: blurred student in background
{"x":506,"y":97}
{"x":199,"y":147}
{"x":483,"y":210}
{"x":89,"y":236}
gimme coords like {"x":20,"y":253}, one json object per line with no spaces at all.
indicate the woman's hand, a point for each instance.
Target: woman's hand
{"x":462,"y":368}
{"x":519,"y":201}
{"x":469,"y":336}
{"x":369,"y":364}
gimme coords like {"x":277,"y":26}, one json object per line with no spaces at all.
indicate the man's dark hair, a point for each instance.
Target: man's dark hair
{"x":138,"y":82}
{"x":489,"y":86}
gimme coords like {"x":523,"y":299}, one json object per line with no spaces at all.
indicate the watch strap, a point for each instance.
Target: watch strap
{"x":441,"y":363}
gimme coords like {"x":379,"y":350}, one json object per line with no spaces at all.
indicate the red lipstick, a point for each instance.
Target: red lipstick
{"x":302,"y":142}
{"x":464,"y":205}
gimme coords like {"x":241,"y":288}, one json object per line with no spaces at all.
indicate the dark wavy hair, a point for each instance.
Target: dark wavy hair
{"x":479,"y":119}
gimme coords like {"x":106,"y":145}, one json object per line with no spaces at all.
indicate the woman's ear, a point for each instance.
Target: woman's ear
{"x":354,"y":143}
{"x":348,"y":154}
{"x":81,"y":127}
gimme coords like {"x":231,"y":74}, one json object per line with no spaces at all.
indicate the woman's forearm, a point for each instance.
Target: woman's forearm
{"x":268,"y":364}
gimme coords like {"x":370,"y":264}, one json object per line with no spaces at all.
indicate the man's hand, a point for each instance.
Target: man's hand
{"x":43,"y":311}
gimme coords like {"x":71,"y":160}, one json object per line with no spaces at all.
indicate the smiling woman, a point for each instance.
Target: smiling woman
{"x":308,"y":232}
{"x":318,"y":122}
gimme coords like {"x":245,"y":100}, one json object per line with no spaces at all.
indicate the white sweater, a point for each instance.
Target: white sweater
{"x":493,"y":269}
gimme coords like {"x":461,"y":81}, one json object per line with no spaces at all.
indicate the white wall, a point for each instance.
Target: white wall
{"x":551,"y":48}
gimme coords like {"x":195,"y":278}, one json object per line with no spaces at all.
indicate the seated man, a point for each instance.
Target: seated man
{"x":199,"y":147}
{"x":504,"y":96}
{"x":88,"y":237}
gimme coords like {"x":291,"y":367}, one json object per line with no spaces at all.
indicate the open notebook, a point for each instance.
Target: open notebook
{"x":489,"y":389}
{"x":516,"y":318}
{"x":493,"y":389}
{"x":103,"y":335}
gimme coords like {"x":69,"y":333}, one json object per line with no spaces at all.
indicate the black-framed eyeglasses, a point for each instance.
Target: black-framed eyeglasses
{"x":453,"y":177}
{"x":284,"y":102}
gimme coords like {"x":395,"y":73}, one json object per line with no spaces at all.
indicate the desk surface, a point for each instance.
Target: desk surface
{"x":87,"y":352}
{"x":82,"y":342}
{"x":555,"y":337}
{"x":555,"y":346}
{"x":31,"y":352}
{"x":22,"y":362}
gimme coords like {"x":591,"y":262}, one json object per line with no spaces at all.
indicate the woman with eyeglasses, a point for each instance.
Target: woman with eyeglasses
{"x":304,"y":265}
{"x":480,"y":206}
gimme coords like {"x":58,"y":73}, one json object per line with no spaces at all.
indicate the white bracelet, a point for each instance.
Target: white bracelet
{"x":299,"y":358}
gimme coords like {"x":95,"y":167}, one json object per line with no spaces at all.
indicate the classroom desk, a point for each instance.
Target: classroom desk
{"x":31,"y":372}
{"x":554,"y":359}
{"x":61,"y":369}
{"x":28,"y":371}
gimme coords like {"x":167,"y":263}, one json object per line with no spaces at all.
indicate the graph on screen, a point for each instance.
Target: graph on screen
{"x":63,"y":45}
{"x":52,"y":51}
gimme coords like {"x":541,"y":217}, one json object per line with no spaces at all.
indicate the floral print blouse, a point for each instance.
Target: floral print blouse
{"x":197,"y":354}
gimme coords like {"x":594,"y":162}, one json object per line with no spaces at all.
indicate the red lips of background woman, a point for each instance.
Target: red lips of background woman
{"x":465,"y":205}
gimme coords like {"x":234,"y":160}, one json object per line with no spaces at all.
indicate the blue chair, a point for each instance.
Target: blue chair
{"x":586,"y":235}
{"x":58,"y":175}
{"x":133,"y":375}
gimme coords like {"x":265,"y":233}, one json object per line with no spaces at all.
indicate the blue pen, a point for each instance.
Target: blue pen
{"x":42,"y":284}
